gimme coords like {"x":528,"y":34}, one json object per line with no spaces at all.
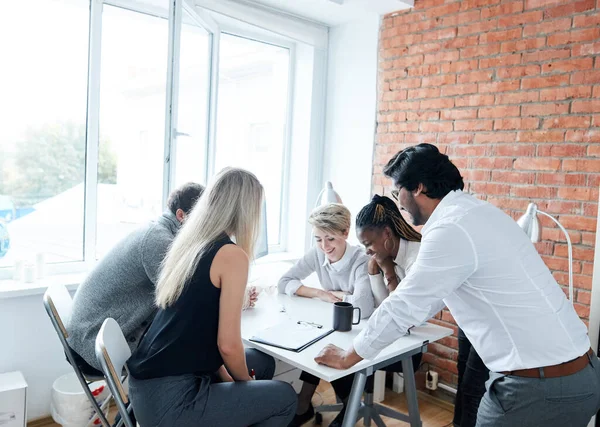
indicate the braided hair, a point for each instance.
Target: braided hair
{"x":382,"y":212}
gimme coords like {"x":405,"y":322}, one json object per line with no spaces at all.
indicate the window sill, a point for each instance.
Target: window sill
{"x":16,"y":289}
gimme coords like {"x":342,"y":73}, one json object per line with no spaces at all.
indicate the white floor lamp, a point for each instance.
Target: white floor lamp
{"x":530,"y":224}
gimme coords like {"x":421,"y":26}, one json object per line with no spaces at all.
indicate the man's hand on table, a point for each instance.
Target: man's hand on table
{"x":337,"y":358}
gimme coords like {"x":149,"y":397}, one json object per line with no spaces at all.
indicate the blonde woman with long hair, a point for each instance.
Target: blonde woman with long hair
{"x":191,"y":368}
{"x":342,"y":270}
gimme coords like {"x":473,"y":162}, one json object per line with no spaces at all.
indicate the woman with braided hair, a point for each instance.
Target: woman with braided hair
{"x":390,"y":241}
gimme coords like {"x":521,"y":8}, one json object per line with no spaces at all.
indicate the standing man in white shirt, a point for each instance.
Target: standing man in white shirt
{"x":478,"y":262}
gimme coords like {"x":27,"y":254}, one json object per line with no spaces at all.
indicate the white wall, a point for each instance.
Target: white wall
{"x":29,"y":344}
{"x":351,"y":110}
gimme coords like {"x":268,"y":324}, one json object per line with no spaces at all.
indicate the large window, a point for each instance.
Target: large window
{"x":252,"y":116}
{"x":43,"y":87}
{"x":193,"y":101}
{"x":107,"y":106}
{"x":132,"y":122}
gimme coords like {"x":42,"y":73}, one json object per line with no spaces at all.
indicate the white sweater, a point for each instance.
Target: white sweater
{"x":350,"y":274}
{"x":406,"y":257}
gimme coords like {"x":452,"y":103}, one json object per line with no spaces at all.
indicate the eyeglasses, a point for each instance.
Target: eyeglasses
{"x":395,"y":194}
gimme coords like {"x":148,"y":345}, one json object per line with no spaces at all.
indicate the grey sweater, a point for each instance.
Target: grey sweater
{"x":122,"y":287}
{"x":350,"y":274}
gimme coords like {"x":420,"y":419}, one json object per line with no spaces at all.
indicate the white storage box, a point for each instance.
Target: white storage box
{"x":13,"y":400}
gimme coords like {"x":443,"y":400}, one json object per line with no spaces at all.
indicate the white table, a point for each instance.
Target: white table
{"x":268,"y":312}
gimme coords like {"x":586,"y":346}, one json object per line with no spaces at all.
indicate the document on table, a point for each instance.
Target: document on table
{"x":290,"y":335}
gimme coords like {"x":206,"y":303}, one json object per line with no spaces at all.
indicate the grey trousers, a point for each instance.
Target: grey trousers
{"x":569,"y":401}
{"x":189,"y":401}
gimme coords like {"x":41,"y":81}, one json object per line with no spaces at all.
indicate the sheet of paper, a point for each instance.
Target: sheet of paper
{"x":290,"y":334}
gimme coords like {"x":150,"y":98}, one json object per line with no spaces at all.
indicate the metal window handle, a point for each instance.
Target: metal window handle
{"x":177,"y":133}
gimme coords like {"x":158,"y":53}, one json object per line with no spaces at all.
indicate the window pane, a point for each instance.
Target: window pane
{"x":43,"y":82}
{"x":132,"y":122}
{"x":192,"y":115}
{"x":252,"y":116}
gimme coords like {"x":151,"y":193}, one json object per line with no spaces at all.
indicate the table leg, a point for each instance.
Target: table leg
{"x":358,"y":386}
{"x":411,"y":392}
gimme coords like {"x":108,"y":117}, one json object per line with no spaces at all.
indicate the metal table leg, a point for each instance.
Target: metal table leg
{"x":411,"y":392}
{"x":354,"y":400}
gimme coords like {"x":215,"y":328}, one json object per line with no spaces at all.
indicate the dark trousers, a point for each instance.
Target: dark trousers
{"x":192,"y":401}
{"x":472,"y":375}
{"x":343,"y":386}
{"x":85,"y":368}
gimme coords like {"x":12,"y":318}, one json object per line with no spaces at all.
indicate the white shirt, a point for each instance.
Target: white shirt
{"x":405,"y":258}
{"x":349,"y":274}
{"x":476,"y":260}
{"x":343,"y":262}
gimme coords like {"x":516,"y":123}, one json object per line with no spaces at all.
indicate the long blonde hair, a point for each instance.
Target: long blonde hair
{"x":231,"y":204}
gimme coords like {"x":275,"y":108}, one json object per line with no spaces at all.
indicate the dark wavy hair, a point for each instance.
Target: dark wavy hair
{"x":185,"y":197}
{"x":382,"y":212}
{"x":424,"y":164}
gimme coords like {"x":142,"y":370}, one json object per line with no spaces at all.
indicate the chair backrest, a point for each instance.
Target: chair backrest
{"x":59,"y":305}
{"x":112,"y":352}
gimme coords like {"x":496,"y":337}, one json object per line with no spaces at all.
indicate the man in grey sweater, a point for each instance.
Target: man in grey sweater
{"x":122,"y":284}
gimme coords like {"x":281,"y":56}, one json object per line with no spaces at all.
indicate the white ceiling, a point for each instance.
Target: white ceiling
{"x":335,"y":12}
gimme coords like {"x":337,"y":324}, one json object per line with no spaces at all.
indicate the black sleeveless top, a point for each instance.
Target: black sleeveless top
{"x":182,"y":339}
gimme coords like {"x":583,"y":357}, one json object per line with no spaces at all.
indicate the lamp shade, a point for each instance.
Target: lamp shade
{"x":530,"y":224}
{"x":329,"y":195}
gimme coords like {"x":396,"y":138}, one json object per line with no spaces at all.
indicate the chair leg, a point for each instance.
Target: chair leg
{"x":103,"y":409}
{"x":92,"y":399}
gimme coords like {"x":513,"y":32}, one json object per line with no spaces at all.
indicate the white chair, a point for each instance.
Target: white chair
{"x":112,"y":352}
{"x":59,"y":306}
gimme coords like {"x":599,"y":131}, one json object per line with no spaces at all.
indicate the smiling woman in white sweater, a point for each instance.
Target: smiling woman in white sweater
{"x":343,"y":274}
{"x":340,"y":266}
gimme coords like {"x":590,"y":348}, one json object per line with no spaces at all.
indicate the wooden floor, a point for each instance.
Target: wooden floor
{"x":432,"y":414}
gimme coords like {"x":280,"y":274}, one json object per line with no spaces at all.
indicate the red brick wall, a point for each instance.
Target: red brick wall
{"x":510,"y":90}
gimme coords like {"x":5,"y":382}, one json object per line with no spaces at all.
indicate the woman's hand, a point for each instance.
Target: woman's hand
{"x":388,"y":267}
{"x":340,"y":294}
{"x":250,"y":297}
{"x":373,"y":266}
{"x":328,"y":297}
{"x":253,"y":296}
{"x":224,"y":375}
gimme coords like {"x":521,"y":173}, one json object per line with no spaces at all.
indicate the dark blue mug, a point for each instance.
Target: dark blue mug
{"x":343,"y":312}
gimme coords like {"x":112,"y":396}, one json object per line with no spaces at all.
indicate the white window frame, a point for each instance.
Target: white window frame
{"x":176,"y":9}
{"x":258,"y":36}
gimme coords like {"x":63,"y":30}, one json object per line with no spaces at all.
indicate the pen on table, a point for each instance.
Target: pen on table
{"x":252,"y":374}
{"x":316,"y":325}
